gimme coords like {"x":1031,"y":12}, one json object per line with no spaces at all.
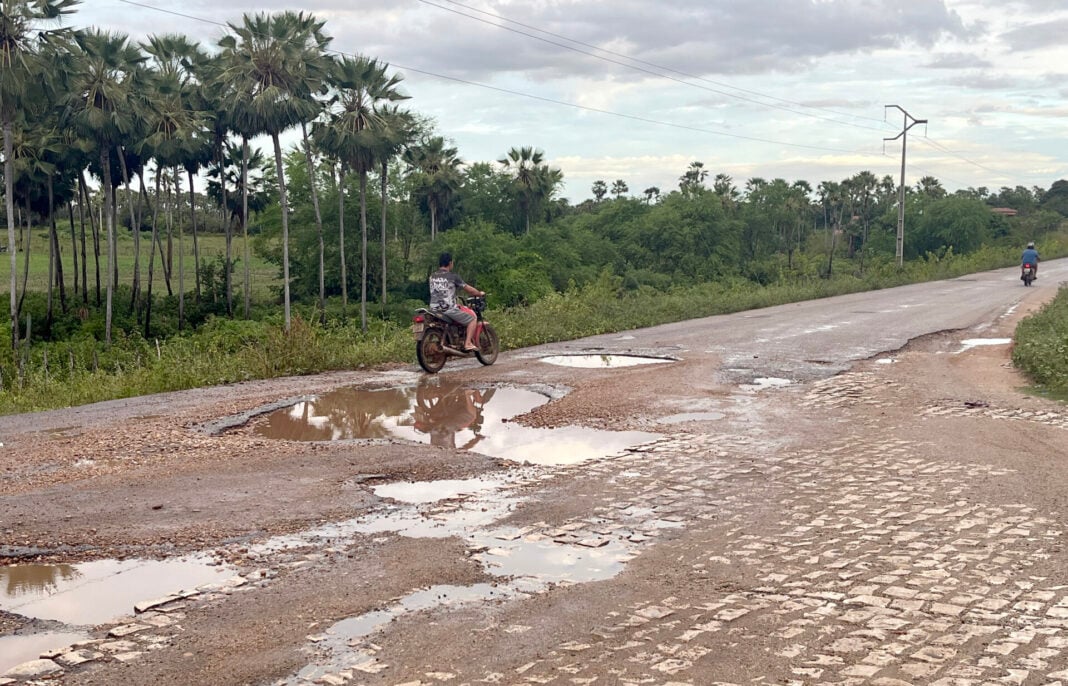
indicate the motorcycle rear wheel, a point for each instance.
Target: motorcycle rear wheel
{"x":430,"y":351}
{"x":489,"y":345}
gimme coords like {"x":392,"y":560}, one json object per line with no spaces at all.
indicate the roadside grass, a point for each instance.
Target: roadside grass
{"x":1041,"y":346}
{"x":263,"y":275}
{"x":221,"y":351}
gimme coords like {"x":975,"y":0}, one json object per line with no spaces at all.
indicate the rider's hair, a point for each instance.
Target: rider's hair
{"x":445,"y":259}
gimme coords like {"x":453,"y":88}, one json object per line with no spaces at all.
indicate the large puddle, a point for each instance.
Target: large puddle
{"x":14,"y":650}
{"x":602,"y":361}
{"x":99,"y":592}
{"x":446,"y":414}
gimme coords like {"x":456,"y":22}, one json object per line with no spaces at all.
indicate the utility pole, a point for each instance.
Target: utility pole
{"x":910,"y":121}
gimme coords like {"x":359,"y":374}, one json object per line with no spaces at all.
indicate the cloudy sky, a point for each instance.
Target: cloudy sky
{"x":638,"y":89}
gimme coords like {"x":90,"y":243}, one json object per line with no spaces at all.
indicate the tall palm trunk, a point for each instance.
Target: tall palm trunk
{"x":26,"y":260}
{"x":181,"y":249}
{"x":12,"y":248}
{"x":341,"y":240}
{"x":58,"y":257}
{"x":285,"y":224}
{"x":228,"y":226}
{"x":94,"y":229}
{"x":318,"y":222}
{"x":244,"y":223}
{"x":152,"y":259}
{"x":109,"y":189}
{"x":73,"y":246}
{"x":85,"y":262}
{"x":433,"y":219}
{"x":363,"y":250}
{"x":385,"y":179}
{"x":135,"y":297}
{"x":196,"y":247}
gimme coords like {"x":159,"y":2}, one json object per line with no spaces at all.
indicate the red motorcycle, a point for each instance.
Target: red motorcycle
{"x":1028,"y":273}
{"x":437,"y":338}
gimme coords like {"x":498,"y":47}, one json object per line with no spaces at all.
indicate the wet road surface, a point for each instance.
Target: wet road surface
{"x":795,"y":499}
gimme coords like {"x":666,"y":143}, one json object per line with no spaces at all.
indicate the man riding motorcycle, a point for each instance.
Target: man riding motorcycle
{"x":443,"y":285}
{"x":1030,"y":256}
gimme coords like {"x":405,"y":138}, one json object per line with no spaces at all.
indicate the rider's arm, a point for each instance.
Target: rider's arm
{"x":472,"y":290}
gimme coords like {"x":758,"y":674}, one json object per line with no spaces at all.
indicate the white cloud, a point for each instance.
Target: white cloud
{"x":812,"y":73}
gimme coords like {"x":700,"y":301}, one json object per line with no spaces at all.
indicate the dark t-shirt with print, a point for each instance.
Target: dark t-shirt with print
{"x":443,"y":287}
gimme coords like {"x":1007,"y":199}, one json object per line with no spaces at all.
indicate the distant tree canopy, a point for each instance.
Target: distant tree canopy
{"x":115,"y":134}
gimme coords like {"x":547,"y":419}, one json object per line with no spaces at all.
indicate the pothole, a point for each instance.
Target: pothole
{"x":432,"y":491}
{"x":684,"y":417}
{"x":14,"y":650}
{"x":602,"y":361}
{"x":448,"y":415}
{"x":765,"y":382}
{"x":98,"y":592}
{"x":969,"y":343}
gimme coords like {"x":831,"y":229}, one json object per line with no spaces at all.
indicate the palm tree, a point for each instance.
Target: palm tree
{"x":104,"y":102}
{"x":359,"y":136}
{"x":549,"y":181}
{"x":693,"y":180}
{"x":212,"y":98}
{"x":25,"y":25}
{"x":832,"y":200}
{"x":438,"y":169}
{"x":619,"y":188}
{"x":175,"y":130}
{"x":397,"y":132}
{"x":275,"y":65}
{"x":251,"y":193}
{"x":523,"y":163}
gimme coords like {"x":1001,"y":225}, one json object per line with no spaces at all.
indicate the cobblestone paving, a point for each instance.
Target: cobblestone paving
{"x":873,"y":390}
{"x":879,"y":571}
{"x":877,"y":568}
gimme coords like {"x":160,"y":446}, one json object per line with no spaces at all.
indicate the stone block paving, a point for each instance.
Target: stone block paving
{"x":879,"y":570}
{"x":873,"y":390}
{"x":964,"y":408}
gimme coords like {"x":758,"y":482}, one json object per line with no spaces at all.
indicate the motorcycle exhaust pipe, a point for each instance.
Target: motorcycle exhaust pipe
{"x":456,"y":352}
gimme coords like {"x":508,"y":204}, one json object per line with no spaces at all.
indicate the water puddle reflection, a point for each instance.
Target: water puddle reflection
{"x":602,"y":361}
{"x":446,"y":414}
{"x":765,"y":382}
{"x":343,"y":646}
{"x":99,"y":592}
{"x":684,"y":417}
{"x":432,"y":491}
{"x":979,"y":342}
{"x":14,"y":650}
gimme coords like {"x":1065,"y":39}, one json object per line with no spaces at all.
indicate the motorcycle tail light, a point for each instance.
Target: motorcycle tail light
{"x":418,"y":319}
{"x":1027,"y":266}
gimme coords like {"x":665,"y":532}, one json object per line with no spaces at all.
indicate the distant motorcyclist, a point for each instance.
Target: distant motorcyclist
{"x":1030,"y":256}
{"x":443,"y":285}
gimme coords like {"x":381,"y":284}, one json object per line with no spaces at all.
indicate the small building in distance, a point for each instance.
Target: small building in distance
{"x":1004,"y":211}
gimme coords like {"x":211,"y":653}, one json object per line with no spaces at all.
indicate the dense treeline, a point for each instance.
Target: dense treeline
{"x":124,"y":156}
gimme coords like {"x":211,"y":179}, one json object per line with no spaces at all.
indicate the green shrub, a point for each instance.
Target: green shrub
{"x":1041,"y":346}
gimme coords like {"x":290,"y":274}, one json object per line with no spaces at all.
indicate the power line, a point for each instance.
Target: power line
{"x":662,"y":67}
{"x":540,"y":98}
{"x":641,"y":69}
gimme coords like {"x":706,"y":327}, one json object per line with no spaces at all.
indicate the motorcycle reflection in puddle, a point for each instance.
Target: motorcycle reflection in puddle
{"x":442,"y":412}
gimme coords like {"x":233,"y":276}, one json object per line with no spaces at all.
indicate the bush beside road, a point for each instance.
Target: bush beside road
{"x":1041,"y":347}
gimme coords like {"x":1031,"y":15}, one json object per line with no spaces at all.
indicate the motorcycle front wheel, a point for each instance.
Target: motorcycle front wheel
{"x":488,"y":345}
{"x":430,"y":351}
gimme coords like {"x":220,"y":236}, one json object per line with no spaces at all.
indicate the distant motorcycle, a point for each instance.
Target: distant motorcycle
{"x":437,"y":339}
{"x":1028,"y":273}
